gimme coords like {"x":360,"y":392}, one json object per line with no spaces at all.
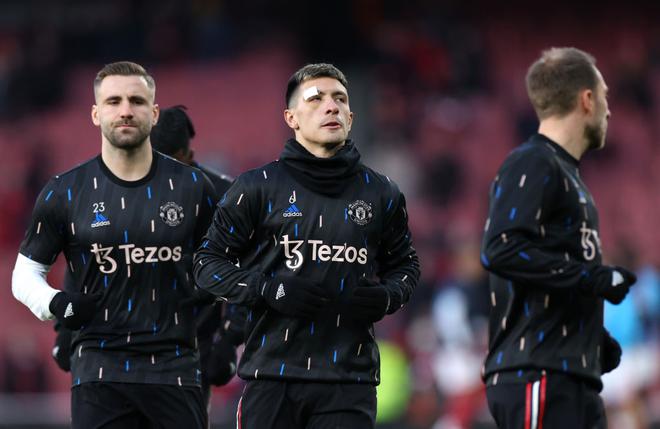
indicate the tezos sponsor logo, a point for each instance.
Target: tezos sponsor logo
{"x":590,"y":242}
{"x":133,"y":255}
{"x":295,"y":252}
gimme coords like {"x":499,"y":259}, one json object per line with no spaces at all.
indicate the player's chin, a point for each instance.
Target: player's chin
{"x":128,"y":142}
{"x":334,"y":138}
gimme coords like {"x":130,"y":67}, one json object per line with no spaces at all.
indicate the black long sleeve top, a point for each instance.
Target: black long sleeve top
{"x":540,"y":243}
{"x":274,"y":224}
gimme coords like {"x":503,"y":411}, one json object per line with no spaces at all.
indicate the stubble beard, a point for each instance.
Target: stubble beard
{"x":595,"y":136}
{"x":126,"y":142}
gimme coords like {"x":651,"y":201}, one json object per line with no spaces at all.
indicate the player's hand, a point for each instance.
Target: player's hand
{"x":610,"y":356}
{"x":74,"y":310}
{"x":221,"y":365}
{"x":611,"y":282}
{"x":62,"y":349}
{"x":369,"y":302}
{"x":294,"y":296}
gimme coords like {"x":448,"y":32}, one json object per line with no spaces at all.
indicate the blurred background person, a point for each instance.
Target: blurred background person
{"x":220,"y":326}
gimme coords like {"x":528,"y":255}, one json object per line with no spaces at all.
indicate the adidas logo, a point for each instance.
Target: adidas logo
{"x":69,"y":310}
{"x":100,"y":220}
{"x":280,"y":292}
{"x":292,"y":211}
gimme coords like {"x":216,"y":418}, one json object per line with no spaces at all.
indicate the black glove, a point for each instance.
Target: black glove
{"x":221,"y":365}
{"x":62,"y":349}
{"x":369,"y":302}
{"x":611,"y":283}
{"x":294,"y":296}
{"x":610,"y":355}
{"x":73,"y":310}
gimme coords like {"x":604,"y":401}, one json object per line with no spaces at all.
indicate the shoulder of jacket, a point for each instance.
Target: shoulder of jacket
{"x":75,"y":170}
{"x":372,"y":177}
{"x":534,"y":154}
{"x":261,"y":175}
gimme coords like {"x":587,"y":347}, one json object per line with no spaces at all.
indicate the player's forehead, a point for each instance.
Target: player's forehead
{"x":325,"y":85}
{"x":124,"y":86}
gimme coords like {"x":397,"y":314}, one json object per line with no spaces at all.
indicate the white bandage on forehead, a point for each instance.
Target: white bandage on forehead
{"x":310,"y":92}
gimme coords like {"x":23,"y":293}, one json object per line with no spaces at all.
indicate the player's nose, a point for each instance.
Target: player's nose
{"x":125,"y":110}
{"x":331,"y":106}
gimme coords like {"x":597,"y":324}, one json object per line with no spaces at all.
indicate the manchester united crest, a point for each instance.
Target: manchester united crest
{"x":360,"y":212}
{"x":171,"y":213}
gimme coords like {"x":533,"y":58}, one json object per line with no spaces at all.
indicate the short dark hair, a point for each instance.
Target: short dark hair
{"x":555,"y":80}
{"x":123,"y":68}
{"x":173,"y":130}
{"x":313,"y":71}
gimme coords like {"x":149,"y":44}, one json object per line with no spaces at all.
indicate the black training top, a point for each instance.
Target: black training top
{"x":335,"y":221}
{"x":131,"y":242}
{"x":540,"y":243}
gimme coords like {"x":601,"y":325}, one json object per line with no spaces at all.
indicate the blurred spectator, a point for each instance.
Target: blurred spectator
{"x":23,"y":366}
{"x":460,"y":314}
{"x":632,"y":323}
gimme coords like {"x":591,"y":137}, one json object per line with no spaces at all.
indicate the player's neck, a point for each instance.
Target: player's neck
{"x":566,"y":133}
{"x":129,"y":165}
{"x":320,"y":150}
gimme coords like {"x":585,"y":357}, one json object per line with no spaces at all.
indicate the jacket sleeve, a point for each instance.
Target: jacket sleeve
{"x":233,"y":324}
{"x":43,"y":241}
{"x":227,"y":239}
{"x":398,"y":264}
{"x":45,"y":236}
{"x":513,"y":246}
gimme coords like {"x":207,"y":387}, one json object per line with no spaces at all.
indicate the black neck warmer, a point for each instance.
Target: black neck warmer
{"x":327,"y":176}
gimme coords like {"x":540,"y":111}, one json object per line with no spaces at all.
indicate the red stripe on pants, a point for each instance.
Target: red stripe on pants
{"x":542,"y":404}
{"x":239,"y":424}
{"x":528,"y":406}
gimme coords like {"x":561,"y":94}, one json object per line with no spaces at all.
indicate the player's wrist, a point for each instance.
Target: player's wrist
{"x":609,"y":282}
{"x":56,"y":304}
{"x":73,"y":310}
{"x":294,"y":296}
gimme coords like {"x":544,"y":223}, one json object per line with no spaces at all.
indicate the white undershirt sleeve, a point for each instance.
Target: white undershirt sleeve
{"x":29,"y":286}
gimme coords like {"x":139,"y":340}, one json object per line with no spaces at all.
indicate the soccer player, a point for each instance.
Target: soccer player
{"x":128,"y":222}
{"x":325,"y":252}
{"x":547,"y":346}
{"x":218,"y":332}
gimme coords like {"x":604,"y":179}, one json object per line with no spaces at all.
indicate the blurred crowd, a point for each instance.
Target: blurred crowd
{"x":438,"y":92}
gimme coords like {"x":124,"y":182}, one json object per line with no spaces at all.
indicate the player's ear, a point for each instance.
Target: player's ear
{"x":156,"y":113}
{"x":95,"y":115}
{"x":290,"y":119}
{"x":587,"y":101}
